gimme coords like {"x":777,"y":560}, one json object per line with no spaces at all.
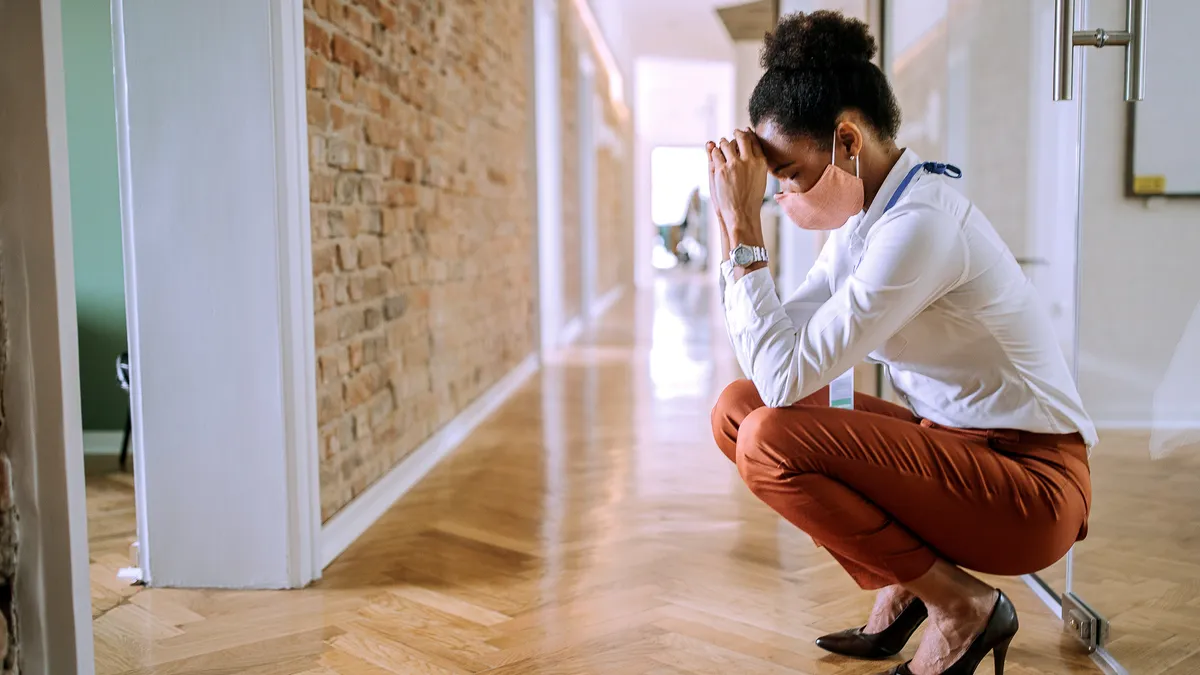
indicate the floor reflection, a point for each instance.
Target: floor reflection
{"x":590,"y":526}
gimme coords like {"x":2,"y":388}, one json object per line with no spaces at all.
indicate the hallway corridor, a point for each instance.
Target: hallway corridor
{"x":590,"y":526}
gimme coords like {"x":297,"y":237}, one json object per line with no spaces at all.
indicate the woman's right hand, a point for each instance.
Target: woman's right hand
{"x":716,"y":205}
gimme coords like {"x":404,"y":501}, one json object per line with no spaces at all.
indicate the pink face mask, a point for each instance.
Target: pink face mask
{"x":829,"y":203}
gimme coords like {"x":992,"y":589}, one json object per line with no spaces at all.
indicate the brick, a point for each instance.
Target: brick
{"x":347,"y":255}
{"x":369,"y":251}
{"x":328,"y":443}
{"x":372,"y":160}
{"x":316,"y":150}
{"x":362,"y":386}
{"x":318,"y":110}
{"x":317,"y":39}
{"x":324,"y":258}
{"x":372,"y":221}
{"x":351,"y":322}
{"x":346,"y":87}
{"x":404,"y":168}
{"x":329,"y":401}
{"x":335,"y":223}
{"x":400,"y":195}
{"x":325,"y":330}
{"x":395,"y":307}
{"x":323,"y":292}
{"x":320,"y":189}
{"x":317,"y":73}
{"x":347,"y":53}
{"x":341,"y":290}
{"x":356,"y":288}
{"x":370,"y":190}
{"x":345,"y":188}
{"x":380,"y":132}
{"x":341,"y":154}
{"x":327,"y":368}
{"x":372,"y":317}
{"x":341,"y":121}
{"x":375,"y":284}
{"x":388,"y":18}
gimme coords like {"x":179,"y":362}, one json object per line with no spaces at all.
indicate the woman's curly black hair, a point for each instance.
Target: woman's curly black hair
{"x":818,"y":65}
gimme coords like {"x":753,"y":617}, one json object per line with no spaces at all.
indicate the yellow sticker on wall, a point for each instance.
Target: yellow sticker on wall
{"x":1149,"y":185}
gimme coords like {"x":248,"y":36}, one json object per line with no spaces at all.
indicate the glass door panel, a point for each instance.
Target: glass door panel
{"x":1139,"y":342}
{"x":974,"y":79}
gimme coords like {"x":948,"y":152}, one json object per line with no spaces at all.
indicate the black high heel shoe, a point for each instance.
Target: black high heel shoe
{"x":995,"y":638}
{"x":882,"y":645}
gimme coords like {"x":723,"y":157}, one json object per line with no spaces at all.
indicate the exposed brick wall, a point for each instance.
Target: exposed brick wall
{"x":614,"y":229}
{"x":423,"y":228}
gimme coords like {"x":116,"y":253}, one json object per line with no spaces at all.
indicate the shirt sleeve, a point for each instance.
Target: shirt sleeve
{"x":910,"y":260}
{"x":801,"y":305}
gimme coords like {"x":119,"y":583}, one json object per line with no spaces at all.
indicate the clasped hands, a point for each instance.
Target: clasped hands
{"x":737,"y":175}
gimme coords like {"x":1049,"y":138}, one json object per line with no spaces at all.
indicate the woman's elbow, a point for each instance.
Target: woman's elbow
{"x":775,"y":389}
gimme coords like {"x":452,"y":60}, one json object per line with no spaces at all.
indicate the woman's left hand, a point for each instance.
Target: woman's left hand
{"x":739,"y":180}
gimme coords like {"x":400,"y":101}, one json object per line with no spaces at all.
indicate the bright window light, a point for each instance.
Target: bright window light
{"x":674,"y":173}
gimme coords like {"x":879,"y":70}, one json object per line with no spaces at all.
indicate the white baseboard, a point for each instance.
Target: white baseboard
{"x":352,"y":521}
{"x":606,"y":302}
{"x":572,"y":331}
{"x":102,"y":442}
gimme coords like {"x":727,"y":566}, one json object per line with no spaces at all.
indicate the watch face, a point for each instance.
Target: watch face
{"x":742,"y":256}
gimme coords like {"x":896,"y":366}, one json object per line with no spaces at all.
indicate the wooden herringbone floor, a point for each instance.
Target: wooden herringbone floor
{"x":589,"y":527}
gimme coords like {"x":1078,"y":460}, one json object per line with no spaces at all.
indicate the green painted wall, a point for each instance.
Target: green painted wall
{"x":95,"y":209}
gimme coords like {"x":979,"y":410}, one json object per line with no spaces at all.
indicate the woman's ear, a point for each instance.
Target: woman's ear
{"x":849,"y":138}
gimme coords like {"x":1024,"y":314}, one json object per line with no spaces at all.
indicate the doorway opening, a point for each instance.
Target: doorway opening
{"x":680,"y":207}
{"x":100,"y":297}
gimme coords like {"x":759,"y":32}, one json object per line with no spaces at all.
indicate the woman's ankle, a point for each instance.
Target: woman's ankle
{"x":889,"y":603}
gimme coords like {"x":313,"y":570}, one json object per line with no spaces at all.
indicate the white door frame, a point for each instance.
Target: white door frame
{"x":589,"y":118}
{"x":548,"y":125}
{"x":257,"y":425}
{"x":41,"y":384}
{"x":43,"y":426}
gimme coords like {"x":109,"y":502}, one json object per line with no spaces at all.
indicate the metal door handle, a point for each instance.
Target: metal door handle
{"x":1133,"y":39}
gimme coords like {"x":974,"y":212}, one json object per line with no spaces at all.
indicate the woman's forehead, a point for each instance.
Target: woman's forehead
{"x":781,"y":150}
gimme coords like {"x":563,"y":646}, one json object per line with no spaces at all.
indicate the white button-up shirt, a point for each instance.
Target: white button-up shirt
{"x":928,"y":289}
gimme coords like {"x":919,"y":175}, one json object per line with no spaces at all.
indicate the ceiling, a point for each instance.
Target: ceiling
{"x":682,"y":29}
{"x":749,"y":20}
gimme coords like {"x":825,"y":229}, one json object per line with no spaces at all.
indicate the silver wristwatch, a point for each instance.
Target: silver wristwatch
{"x":744,"y":256}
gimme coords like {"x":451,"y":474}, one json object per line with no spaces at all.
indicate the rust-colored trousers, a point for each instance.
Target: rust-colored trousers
{"x":887,"y":493}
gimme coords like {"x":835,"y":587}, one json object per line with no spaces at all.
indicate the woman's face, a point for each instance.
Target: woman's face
{"x":799,"y":161}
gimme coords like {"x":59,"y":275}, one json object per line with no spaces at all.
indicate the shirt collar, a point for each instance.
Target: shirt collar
{"x":908,"y":159}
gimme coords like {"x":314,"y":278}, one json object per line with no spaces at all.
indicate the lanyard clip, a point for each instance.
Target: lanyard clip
{"x":947,"y":170}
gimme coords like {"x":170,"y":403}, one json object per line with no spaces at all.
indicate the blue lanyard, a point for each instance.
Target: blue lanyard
{"x":948,"y":170}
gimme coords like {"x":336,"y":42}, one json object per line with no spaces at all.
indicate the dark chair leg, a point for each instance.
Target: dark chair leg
{"x":125,"y":439}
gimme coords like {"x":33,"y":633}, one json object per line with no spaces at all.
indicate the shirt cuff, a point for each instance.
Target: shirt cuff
{"x":750,"y":299}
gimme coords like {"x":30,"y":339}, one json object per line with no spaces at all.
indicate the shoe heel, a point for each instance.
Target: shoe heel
{"x":999,"y":653}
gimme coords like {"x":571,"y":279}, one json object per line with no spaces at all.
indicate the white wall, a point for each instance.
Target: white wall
{"x":678,"y":102}
{"x":214,"y":179}
{"x":614,"y":25}
{"x":1140,"y":279}
{"x":42,"y":426}
{"x":747,"y":72}
{"x":548,"y":128}
{"x":676,"y":29}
